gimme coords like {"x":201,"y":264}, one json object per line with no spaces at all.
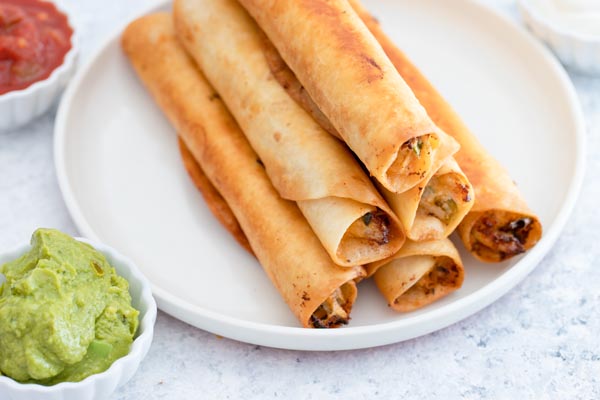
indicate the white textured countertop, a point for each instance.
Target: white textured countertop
{"x":542,"y":340}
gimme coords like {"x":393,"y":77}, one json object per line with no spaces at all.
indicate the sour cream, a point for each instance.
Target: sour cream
{"x":580,"y":16}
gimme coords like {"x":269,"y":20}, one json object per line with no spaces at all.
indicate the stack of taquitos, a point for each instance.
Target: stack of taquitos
{"x":500,"y":225}
{"x":409,"y":157}
{"x":428,"y":211}
{"x":319,"y":293}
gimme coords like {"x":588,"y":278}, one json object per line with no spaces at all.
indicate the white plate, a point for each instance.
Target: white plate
{"x":120,"y":172}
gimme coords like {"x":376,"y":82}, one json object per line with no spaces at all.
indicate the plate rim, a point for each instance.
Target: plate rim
{"x":347,"y":338}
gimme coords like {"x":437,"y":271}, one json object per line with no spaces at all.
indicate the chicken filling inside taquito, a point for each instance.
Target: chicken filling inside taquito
{"x":374,"y":226}
{"x":414,"y":158}
{"x":335,"y":310}
{"x":357,"y":232}
{"x":497,"y":235}
{"x":419,"y":274}
{"x":439,"y":198}
{"x":445,"y":200}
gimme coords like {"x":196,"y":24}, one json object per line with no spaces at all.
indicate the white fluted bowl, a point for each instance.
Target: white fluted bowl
{"x":98,"y":386}
{"x":18,"y":107}
{"x":574,"y":49}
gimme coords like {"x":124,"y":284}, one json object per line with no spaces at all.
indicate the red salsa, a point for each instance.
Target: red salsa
{"x":34,"y":38}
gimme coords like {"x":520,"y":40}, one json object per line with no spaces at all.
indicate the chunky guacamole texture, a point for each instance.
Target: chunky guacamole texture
{"x":64,"y":312}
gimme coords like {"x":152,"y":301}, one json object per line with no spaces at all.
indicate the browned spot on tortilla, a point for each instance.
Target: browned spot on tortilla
{"x":372,"y":74}
{"x":277,"y":136}
{"x":465,"y":192}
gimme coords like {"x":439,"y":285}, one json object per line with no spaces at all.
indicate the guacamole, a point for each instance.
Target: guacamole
{"x":64,"y":312}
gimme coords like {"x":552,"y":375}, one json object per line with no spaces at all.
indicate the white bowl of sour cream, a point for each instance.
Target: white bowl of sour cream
{"x":570,"y":27}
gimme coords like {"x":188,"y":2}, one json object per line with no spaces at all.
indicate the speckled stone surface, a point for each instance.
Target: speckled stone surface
{"x":540,"y":341}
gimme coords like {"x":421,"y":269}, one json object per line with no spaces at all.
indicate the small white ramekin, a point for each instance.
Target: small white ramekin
{"x":576,"y":50}
{"x":99,"y":386}
{"x":22,"y":106}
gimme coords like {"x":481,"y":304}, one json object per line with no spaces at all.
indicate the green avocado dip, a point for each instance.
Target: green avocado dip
{"x":64,"y":312}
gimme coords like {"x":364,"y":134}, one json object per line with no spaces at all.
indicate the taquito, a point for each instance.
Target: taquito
{"x":500,"y":225}
{"x":354,"y":84}
{"x":318,"y":292}
{"x":304,"y":162}
{"x":434,"y":208}
{"x":213,"y":199}
{"x":419,"y":274}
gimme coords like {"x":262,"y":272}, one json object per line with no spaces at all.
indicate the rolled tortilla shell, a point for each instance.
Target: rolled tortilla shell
{"x":354,"y":84}
{"x":433,"y":209}
{"x":319,"y":293}
{"x":304,"y":162}
{"x":419,"y":274}
{"x":500,"y":225}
